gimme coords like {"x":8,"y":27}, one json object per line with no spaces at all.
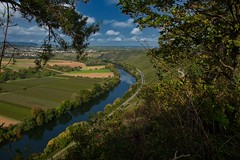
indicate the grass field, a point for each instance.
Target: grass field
{"x":19,"y":96}
{"x":45,"y":92}
{"x":95,"y":73}
{"x":137,"y":58}
{"x":26,"y":63}
{"x":92,"y":71}
{"x":14,"y":111}
{"x":20,"y":63}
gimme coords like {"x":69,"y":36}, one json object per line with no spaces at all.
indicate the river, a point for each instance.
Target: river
{"x":36,"y":140}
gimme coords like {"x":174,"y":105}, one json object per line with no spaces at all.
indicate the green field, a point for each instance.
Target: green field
{"x":19,"y":96}
{"x":14,"y":111}
{"x":20,"y":63}
{"x":91,"y":71}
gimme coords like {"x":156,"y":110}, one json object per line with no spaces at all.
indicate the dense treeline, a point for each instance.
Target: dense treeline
{"x":23,"y":73}
{"x":40,"y":117}
{"x":64,"y":68}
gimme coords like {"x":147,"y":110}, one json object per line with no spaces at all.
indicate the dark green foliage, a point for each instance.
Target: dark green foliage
{"x":198,"y":67}
{"x":64,"y":68}
{"x":9,"y":74}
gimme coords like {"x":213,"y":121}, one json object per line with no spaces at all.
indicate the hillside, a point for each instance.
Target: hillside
{"x":135,"y":57}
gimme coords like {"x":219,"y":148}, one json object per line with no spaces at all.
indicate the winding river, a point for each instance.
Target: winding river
{"x":36,"y":140}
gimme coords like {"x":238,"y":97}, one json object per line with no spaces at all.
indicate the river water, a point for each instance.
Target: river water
{"x":36,"y":140}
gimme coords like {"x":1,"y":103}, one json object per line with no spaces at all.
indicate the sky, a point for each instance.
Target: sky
{"x":116,"y":29}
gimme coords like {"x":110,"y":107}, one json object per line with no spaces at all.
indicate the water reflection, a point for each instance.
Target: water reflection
{"x":65,"y":119}
{"x":50,"y":125}
{"x":127,"y":79}
{"x":36,"y":134}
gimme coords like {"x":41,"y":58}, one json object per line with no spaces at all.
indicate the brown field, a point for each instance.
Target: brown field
{"x":7,"y":121}
{"x":93,"y":67}
{"x":91,"y":75}
{"x":66,"y":63}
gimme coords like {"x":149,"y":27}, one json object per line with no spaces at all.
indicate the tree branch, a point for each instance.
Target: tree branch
{"x":227,"y":66}
{"x":214,"y":16}
{"x":181,"y":156}
{"x":5,"y":37}
{"x":11,"y":2}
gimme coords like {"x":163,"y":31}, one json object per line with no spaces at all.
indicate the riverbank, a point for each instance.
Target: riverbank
{"x":38,"y":138}
{"x":58,"y":154}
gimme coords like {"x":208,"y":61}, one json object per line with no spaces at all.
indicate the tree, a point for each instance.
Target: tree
{"x":57,"y":17}
{"x":36,"y":111}
{"x":188,"y":28}
{"x":198,"y":65}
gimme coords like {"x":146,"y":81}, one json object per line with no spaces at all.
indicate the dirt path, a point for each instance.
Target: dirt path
{"x":58,"y":154}
{"x":7,"y":121}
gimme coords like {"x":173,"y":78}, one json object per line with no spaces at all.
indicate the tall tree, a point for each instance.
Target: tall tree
{"x":190,"y":27}
{"x":57,"y":17}
{"x":198,"y":64}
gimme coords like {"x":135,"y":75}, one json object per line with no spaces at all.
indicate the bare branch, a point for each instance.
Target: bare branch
{"x":227,"y":66}
{"x":12,"y":2}
{"x":5,"y":35}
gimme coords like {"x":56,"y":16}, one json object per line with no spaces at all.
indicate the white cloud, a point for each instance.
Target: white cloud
{"x":101,"y":40}
{"x":134,"y":39}
{"x":67,"y":5}
{"x":112,"y":33}
{"x":97,"y":34}
{"x":33,"y":31}
{"x":90,"y":20}
{"x":117,"y":39}
{"x":111,"y":1}
{"x":115,"y":23}
{"x":127,"y":41}
{"x":147,"y":39}
{"x":91,"y":39}
{"x":128,"y":23}
{"x":3,"y":6}
{"x":136,"y":31}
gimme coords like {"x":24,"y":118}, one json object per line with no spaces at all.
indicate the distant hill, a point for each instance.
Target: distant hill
{"x":22,"y":44}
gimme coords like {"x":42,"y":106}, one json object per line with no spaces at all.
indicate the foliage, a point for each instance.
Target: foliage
{"x":64,"y":68}
{"x":9,"y":74}
{"x":57,"y":17}
{"x":198,"y":65}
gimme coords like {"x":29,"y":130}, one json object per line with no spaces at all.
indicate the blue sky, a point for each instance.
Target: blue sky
{"x":116,"y":29}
